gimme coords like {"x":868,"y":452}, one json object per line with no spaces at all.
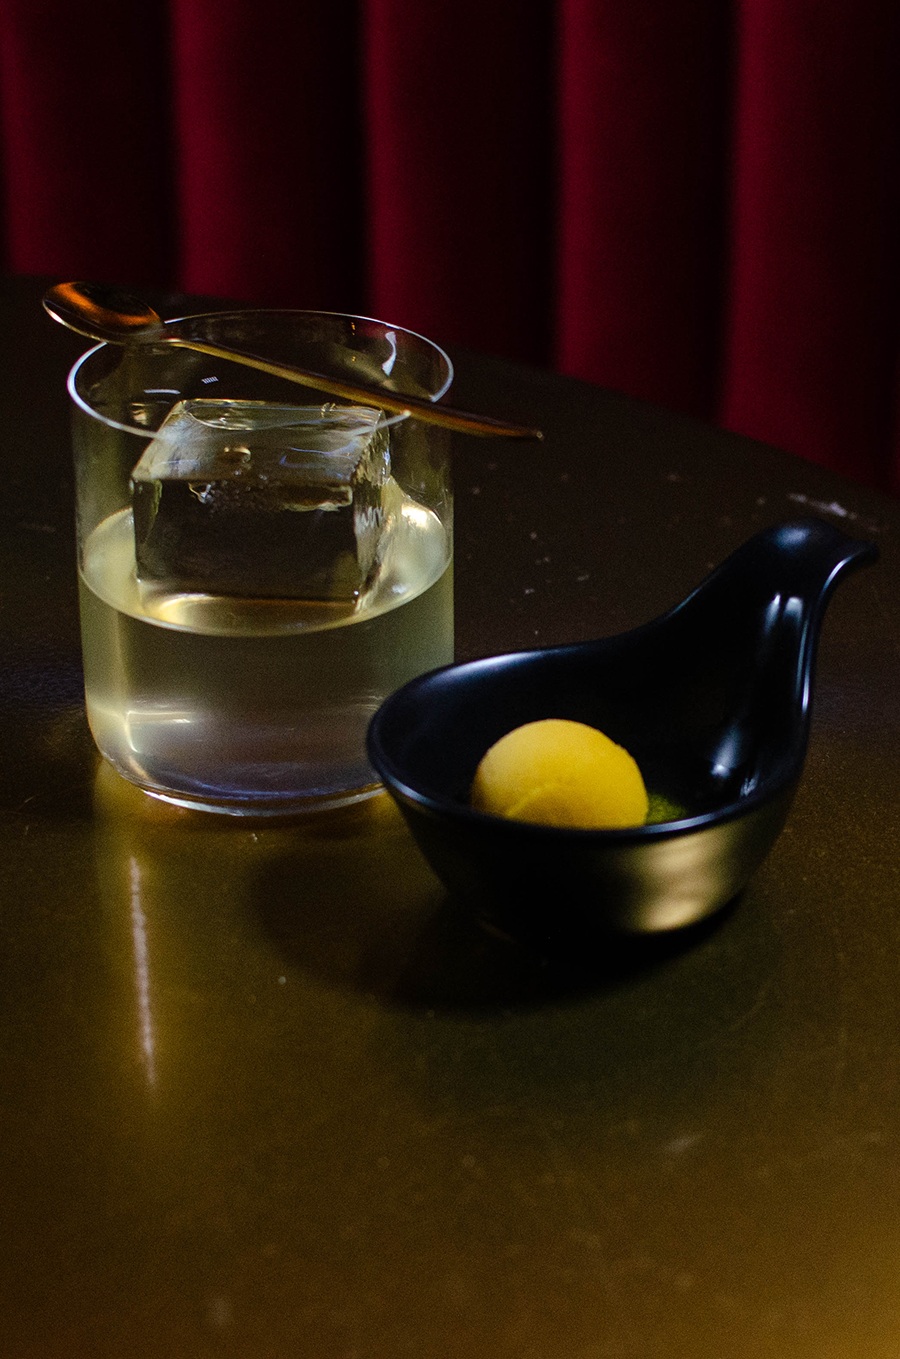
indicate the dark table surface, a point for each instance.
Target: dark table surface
{"x":267,"y":1092}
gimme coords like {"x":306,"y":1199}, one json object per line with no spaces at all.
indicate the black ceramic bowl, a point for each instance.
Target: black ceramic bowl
{"x":712,"y":699}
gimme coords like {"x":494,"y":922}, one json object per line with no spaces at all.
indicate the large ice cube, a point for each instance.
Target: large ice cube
{"x":252,"y":499}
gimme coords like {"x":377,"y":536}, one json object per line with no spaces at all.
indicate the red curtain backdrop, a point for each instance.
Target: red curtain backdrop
{"x":694,"y":201}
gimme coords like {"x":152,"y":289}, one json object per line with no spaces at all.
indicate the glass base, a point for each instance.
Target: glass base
{"x":302,"y":807}
{"x":257,"y":808}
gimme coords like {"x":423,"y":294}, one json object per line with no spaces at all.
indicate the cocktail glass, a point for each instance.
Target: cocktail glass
{"x":259,"y":564}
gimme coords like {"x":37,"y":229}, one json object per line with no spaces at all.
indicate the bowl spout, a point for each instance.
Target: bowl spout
{"x":747,"y":640}
{"x":800,"y":561}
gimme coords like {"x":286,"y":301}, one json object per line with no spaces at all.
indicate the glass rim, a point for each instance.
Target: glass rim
{"x":144,"y":433}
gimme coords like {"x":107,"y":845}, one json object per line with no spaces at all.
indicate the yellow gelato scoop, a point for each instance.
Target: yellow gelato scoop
{"x":560,"y":773}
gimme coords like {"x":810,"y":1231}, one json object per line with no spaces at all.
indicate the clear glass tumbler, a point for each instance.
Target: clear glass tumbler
{"x":260,"y":564}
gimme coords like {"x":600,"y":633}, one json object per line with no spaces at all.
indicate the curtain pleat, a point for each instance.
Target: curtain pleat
{"x":459,"y":143}
{"x":693,"y":201}
{"x":643,"y":122}
{"x":813,"y":308}
{"x":84,"y":139}
{"x":267,"y":130}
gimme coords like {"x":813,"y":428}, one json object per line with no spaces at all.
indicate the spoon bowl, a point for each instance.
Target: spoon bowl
{"x":713,"y":699}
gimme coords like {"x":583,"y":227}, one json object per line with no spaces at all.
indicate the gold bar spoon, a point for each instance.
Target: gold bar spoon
{"x":111,"y":314}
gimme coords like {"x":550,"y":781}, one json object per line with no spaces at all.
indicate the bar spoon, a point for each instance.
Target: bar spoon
{"x":111,"y":314}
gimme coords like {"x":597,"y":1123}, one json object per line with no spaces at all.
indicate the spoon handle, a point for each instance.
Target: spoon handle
{"x":396,"y":402}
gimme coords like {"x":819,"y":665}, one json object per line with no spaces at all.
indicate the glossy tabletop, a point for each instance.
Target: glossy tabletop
{"x":267,"y":1092}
